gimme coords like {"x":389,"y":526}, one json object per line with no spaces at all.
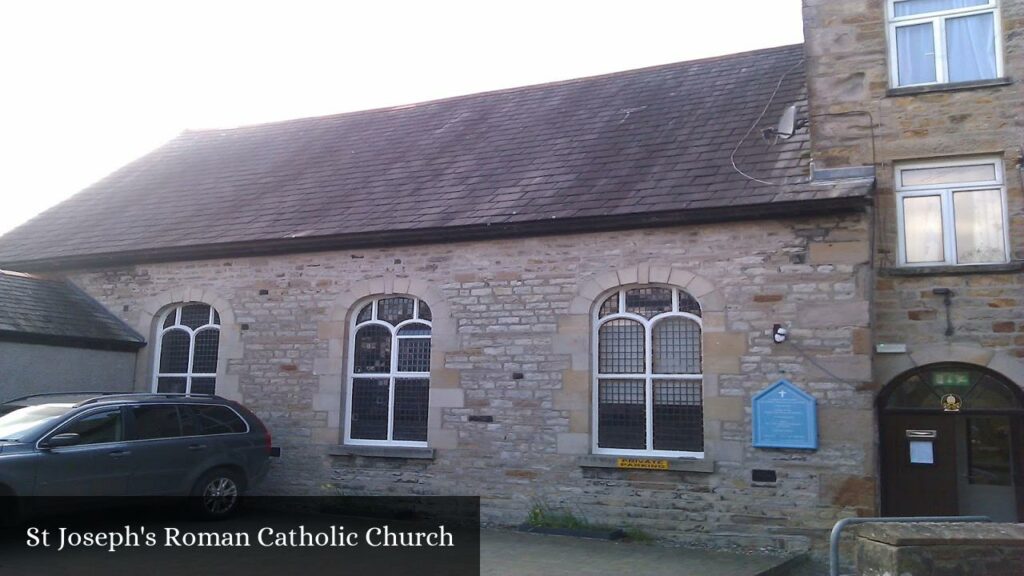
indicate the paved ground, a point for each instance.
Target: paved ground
{"x":502,"y":552}
{"x":517,"y":553}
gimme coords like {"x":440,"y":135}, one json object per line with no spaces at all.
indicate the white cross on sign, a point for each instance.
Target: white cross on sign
{"x":782,"y":394}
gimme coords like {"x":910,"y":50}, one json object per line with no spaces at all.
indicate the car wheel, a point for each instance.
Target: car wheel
{"x":217,"y":494}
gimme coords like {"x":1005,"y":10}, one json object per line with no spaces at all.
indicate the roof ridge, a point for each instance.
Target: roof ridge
{"x":497,"y":91}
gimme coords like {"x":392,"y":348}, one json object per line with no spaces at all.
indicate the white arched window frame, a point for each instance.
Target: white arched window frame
{"x":187,"y":319}
{"x":421,"y":316}
{"x":648,"y":376}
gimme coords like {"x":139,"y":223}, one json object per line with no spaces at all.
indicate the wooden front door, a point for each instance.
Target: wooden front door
{"x":919,"y":463}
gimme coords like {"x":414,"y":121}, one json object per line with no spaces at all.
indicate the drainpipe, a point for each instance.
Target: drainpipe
{"x":837,"y":530}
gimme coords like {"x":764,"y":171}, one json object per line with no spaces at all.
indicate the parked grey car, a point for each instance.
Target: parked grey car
{"x":205,"y":447}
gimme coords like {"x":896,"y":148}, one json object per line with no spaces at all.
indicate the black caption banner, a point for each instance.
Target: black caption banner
{"x":310,"y":536}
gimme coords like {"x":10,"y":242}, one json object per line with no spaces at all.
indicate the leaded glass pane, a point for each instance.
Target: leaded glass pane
{"x":172,"y":316}
{"x":203,"y":386}
{"x":676,"y":346}
{"x":649,"y":302}
{"x":688,"y":304}
{"x":394,"y":310}
{"x":621,"y":414}
{"x":370,"y":408}
{"x":425,"y":313}
{"x":366,"y":314}
{"x":414,"y":354}
{"x":990,"y":394}
{"x":414,"y":330}
{"x":678,"y":415}
{"x":410,"y":421}
{"x":204,"y":359}
{"x":620,"y":348}
{"x":195,"y":315}
{"x":174,"y":349}
{"x":171,"y":384}
{"x":913,"y":392}
{"x":216,"y":318}
{"x":373,"y":350}
{"x":609,"y":306}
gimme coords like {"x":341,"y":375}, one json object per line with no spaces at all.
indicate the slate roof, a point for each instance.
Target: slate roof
{"x":651,"y":143}
{"x":39,"y":310}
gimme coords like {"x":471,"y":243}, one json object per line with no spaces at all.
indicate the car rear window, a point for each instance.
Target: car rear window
{"x":156,"y":421}
{"x":213,"y":419}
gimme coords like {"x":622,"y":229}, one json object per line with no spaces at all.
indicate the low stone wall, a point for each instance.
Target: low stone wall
{"x":940,"y":549}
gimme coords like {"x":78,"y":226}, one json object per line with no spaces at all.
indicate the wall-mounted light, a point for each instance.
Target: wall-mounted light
{"x":779,"y":333}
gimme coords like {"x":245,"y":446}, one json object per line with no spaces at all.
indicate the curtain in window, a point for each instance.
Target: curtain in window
{"x":915,"y":52}
{"x":979,"y":226}
{"x":971,"y":47}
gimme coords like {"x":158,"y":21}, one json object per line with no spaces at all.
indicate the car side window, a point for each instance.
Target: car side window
{"x":218,"y":419}
{"x":97,"y":427}
{"x":156,"y":421}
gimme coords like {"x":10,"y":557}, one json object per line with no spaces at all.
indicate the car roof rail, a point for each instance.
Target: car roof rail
{"x":146,"y":395}
{"x":68,"y":393}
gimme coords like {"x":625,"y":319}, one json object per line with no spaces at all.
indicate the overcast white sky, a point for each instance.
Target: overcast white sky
{"x":88,"y":86}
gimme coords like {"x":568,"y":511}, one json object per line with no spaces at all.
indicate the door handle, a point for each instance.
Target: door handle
{"x":196,"y":447}
{"x":119,"y":453}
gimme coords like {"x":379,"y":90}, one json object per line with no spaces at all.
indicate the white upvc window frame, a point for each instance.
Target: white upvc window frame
{"x":945,"y":193}
{"x":391,"y":375}
{"x":648,"y":376}
{"x":938,"y":22}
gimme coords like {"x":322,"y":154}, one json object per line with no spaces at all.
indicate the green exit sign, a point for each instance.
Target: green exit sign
{"x":951,"y":379}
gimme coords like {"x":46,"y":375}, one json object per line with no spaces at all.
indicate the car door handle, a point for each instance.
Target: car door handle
{"x":119,"y":453}
{"x":195,"y":447}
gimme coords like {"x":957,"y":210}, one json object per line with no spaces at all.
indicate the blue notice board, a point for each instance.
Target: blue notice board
{"x":785,"y":417}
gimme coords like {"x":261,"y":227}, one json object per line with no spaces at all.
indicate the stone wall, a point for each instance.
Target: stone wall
{"x":935,"y":549}
{"x":846,"y":51}
{"x":512,"y":338}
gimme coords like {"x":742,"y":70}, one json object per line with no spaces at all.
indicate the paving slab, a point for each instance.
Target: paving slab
{"x":506,"y":552}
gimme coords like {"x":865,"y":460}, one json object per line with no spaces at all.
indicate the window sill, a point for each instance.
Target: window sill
{"x":383,"y":452}
{"x":948,"y":87}
{"x":1009,"y":267}
{"x":705,"y":465}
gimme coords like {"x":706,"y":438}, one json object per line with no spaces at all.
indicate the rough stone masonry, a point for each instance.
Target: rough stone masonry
{"x":512,"y":340}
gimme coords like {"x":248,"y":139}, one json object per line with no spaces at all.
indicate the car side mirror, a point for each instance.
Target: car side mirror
{"x":67,"y":439}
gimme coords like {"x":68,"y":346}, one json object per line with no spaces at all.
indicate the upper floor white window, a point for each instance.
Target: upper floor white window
{"x":952,"y":212}
{"x":941,"y":41}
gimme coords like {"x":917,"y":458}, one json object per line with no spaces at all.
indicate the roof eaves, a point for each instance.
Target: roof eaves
{"x":847,"y":202}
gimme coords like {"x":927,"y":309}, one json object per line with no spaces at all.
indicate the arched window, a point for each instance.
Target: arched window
{"x":648,"y":396}
{"x":186,"y":352}
{"x":929,"y":388}
{"x":389,"y":373}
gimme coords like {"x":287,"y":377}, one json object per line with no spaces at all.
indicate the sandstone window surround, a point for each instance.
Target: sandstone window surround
{"x":943,"y":41}
{"x":187,"y":349}
{"x":952,"y":212}
{"x":388,"y":383}
{"x":647,"y":389}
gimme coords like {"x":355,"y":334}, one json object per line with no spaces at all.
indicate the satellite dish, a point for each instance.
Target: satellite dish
{"x":787,"y":123}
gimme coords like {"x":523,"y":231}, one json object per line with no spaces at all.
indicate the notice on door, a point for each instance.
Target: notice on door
{"x":922,"y":452}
